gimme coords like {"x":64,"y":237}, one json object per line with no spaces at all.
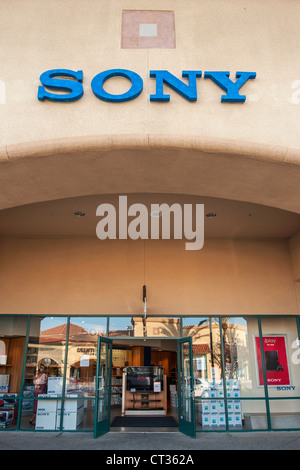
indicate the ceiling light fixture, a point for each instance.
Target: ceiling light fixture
{"x":211,"y":214}
{"x":79,"y":213}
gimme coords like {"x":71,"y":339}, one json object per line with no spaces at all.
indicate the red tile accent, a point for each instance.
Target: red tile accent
{"x":131,"y":19}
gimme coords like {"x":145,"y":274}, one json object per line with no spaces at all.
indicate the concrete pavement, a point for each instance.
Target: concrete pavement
{"x":149,"y":441}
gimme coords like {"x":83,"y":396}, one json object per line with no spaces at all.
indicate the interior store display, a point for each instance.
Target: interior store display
{"x":145,"y":379}
{"x":144,"y":389}
{"x":49,"y":412}
{"x":8,"y":410}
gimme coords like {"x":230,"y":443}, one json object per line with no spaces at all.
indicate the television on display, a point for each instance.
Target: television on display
{"x":143,"y":378}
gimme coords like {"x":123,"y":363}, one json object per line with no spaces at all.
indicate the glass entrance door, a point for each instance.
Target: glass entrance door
{"x":103,"y":386}
{"x":186,"y":405}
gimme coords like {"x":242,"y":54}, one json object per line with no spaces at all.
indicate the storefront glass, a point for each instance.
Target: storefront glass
{"x":44,"y":372}
{"x":12,"y":342}
{"x":236,"y":386}
{"x":124,"y":326}
{"x":207,"y":354}
{"x":285,"y":414}
{"x":281,"y":357}
{"x":139,"y":327}
{"x":81,"y":371}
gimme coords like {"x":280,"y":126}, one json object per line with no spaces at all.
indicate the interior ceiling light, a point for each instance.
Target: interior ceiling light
{"x":211,"y":214}
{"x":79,"y":213}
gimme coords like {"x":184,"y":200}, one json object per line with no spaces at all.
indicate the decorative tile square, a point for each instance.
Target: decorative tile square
{"x":145,"y":29}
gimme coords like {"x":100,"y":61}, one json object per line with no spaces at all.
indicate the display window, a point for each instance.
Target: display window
{"x":81,"y":372}
{"x":239,"y":373}
{"x":12,"y":342}
{"x":44,"y":371}
{"x":138,"y":327}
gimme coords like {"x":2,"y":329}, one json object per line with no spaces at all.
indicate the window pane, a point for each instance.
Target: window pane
{"x":81,"y":371}
{"x":12,"y":344}
{"x":207,"y":360}
{"x":285,"y":414}
{"x":241,"y":346}
{"x":163,"y":327}
{"x":140,"y":327}
{"x":125,"y":326}
{"x":281,"y":355}
{"x":247,"y":414}
{"x":44,"y":372}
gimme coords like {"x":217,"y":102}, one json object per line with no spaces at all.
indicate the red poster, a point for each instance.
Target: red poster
{"x":277,"y":369}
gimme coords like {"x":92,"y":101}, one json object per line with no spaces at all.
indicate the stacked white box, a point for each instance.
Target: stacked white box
{"x":174,"y":399}
{"x":45,"y":421}
{"x":204,"y":407}
{"x":173,"y":396}
{"x":205,"y":419}
{"x":55,"y":385}
{"x":73,"y":411}
{"x":212,"y":412}
{"x":71,"y":420}
{"x":49,"y":406}
{"x":46,"y":413}
{"x":234,"y":406}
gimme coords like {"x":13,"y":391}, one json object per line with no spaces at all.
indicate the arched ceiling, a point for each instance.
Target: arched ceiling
{"x":53,"y":170}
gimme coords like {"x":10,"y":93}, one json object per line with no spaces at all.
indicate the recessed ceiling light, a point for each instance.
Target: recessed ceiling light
{"x":79,"y":213}
{"x":211,"y":214}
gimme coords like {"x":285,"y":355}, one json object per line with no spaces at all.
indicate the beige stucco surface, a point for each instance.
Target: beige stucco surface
{"x":51,"y":150}
{"x":84,"y":275}
{"x":234,"y":151}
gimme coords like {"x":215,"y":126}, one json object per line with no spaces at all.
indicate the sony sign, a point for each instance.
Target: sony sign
{"x":70,"y":82}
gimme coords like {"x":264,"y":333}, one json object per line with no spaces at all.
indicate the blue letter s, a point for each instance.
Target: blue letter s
{"x":74,"y":87}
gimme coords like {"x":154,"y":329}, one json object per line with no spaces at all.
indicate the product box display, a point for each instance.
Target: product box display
{"x":55,"y":385}
{"x":48,"y":415}
{"x":49,"y":406}
{"x":7,"y":418}
{"x":174,"y":398}
{"x":71,"y":421}
{"x":212,"y":412}
{"x":45,"y":421}
{"x":72,"y":402}
{"x":8,"y":404}
{"x":204,"y":419}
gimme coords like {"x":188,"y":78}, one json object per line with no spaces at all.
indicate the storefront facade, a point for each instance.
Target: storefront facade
{"x":164,"y":105}
{"x":235,"y":387}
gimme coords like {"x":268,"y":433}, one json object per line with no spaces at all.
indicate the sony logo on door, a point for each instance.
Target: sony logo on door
{"x":73,"y":88}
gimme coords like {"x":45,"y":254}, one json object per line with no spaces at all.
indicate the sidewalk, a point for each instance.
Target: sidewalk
{"x":150,"y":441}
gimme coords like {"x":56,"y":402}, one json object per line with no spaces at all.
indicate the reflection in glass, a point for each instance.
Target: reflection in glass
{"x":207,"y":360}
{"x":124,"y":326}
{"x":43,"y":372}
{"x":163,"y":327}
{"x":185,"y":379}
{"x":282,"y":357}
{"x":81,"y":370}
{"x":12,"y":344}
{"x":140,"y":327}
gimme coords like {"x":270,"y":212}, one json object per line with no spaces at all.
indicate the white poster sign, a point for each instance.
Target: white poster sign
{"x":84,"y":360}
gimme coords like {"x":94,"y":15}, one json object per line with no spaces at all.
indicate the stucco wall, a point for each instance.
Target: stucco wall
{"x":89,"y":276}
{"x":256,"y":36}
{"x":252,"y":35}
